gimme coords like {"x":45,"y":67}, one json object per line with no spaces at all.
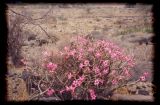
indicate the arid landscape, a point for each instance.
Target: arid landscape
{"x":34,"y":29}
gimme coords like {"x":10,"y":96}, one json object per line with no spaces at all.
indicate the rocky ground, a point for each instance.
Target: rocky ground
{"x":52,"y":26}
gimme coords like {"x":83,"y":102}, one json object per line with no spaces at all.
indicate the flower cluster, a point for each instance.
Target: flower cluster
{"x":85,"y":69}
{"x":75,"y":84}
{"x":92,"y":94}
{"x":88,"y":65}
{"x":98,"y":62}
{"x":51,"y":67}
{"x":50,"y":92}
{"x":144,"y":76}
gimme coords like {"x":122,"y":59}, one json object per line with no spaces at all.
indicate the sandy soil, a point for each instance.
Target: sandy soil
{"x":123,"y":25}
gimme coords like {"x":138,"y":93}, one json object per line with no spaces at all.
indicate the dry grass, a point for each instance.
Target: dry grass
{"x":122,"y":90}
{"x":21,"y":95}
{"x":110,"y":21}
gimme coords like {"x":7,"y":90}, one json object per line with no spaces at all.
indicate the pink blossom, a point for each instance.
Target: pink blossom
{"x":114,"y":55}
{"x":86,"y":63}
{"x":142,"y":78}
{"x":98,"y":54}
{"x":61,"y":91}
{"x":146,"y":74}
{"x":70,"y":75}
{"x":46,"y":54}
{"x":114,"y":82}
{"x":51,"y":66}
{"x":107,"y":49}
{"x":66,"y":48}
{"x":97,"y":70}
{"x":90,"y":49}
{"x":92,"y":94}
{"x":80,"y":56}
{"x":50,"y":92}
{"x":126,"y":72}
{"x":105,"y":71}
{"x":72,"y":53}
{"x":81,"y":50}
{"x":105,"y":63}
{"x":75,"y":84}
{"x":81,"y":65}
{"x":97,"y":81}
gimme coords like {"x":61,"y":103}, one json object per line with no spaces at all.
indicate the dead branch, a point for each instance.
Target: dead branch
{"x":31,"y":21}
{"x":44,"y":16}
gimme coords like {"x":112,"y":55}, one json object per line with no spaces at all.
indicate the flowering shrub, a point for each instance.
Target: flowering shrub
{"x":88,"y":68}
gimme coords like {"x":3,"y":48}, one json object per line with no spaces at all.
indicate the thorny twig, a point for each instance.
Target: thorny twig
{"x":30,"y":17}
{"x":31,"y":21}
{"x":39,"y":85}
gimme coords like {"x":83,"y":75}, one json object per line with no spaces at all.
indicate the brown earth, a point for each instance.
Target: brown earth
{"x":52,"y":26}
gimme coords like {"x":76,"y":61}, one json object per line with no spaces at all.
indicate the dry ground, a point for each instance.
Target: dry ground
{"x":118,"y":23}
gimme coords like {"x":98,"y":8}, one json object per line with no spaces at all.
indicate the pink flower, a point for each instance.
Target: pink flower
{"x":90,"y":49}
{"x":92,"y":94}
{"x":146,"y":74}
{"x":46,"y":54}
{"x":75,"y":84}
{"x":105,"y":71}
{"x":114,"y":82}
{"x":97,"y":81}
{"x":81,"y":65}
{"x":51,"y":66}
{"x":69,"y":75}
{"x":98,"y":54}
{"x":86,"y":63}
{"x":97,"y":70}
{"x":50,"y":92}
{"x":114,"y":55}
{"x":80,"y":56}
{"x":81,"y":50}
{"x":105,"y":63}
{"x":142,"y":78}
{"x":72,"y":53}
{"x":61,"y":91}
{"x":66,"y":48}
{"x":126,"y":72}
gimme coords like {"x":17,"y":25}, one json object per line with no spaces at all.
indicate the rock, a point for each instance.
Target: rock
{"x":143,"y":92}
{"x":139,"y":39}
{"x":31,"y":38}
{"x":132,"y":97}
{"x":16,"y":92}
{"x":49,"y":99}
{"x":142,"y":67}
{"x":25,"y":75}
{"x":97,"y":35}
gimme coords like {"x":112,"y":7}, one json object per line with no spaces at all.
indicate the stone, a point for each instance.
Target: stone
{"x":132,"y":97}
{"x":143,"y":92}
{"x":49,"y":99}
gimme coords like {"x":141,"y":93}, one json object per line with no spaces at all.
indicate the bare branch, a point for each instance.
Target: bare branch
{"x":31,"y":21}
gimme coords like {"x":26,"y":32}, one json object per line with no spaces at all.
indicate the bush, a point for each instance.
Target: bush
{"x":86,"y":69}
{"x":89,"y":66}
{"x":15,"y":40}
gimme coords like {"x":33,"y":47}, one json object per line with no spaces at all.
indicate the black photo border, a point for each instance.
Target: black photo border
{"x":3,"y":47}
